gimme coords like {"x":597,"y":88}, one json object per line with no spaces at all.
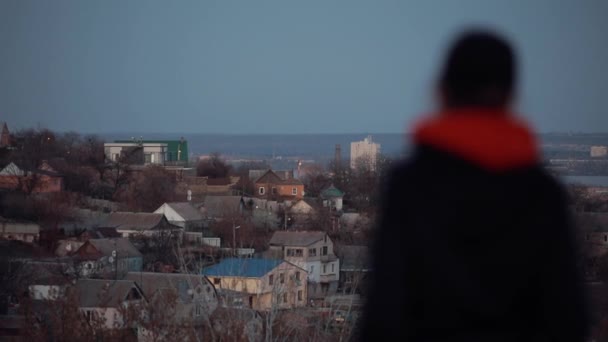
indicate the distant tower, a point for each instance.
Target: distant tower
{"x":365,"y":151}
{"x":338,"y":157}
{"x":5,"y":135}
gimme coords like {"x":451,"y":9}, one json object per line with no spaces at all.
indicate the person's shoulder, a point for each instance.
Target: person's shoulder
{"x":545,"y":183}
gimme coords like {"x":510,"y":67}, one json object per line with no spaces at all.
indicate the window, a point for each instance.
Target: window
{"x":300,"y":296}
{"x":294,"y":191}
{"x":197,"y":310}
{"x":284,"y":297}
{"x":605,"y":237}
{"x":271,"y":279}
{"x":262,"y":190}
{"x":147,"y":158}
{"x":216,"y":281}
{"x":312,"y":252}
{"x":88,"y":315}
{"x":274,"y":190}
{"x":281,"y":278}
{"x":312,"y":268}
{"x":295,"y":252}
{"x":332,"y":268}
{"x":298,"y":275}
{"x":324,"y":269}
{"x":324,"y":250}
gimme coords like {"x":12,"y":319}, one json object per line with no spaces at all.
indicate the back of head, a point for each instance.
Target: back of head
{"x":480,"y":71}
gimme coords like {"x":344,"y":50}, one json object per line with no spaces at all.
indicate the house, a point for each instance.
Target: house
{"x":332,"y":198}
{"x":19,"y":230}
{"x":272,"y":186}
{"x":194,"y":295}
{"x":41,"y":180}
{"x":266,"y":283}
{"x":192,"y":220}
{"x":355,"y":266}
{"x":109,"y":300}
{"x":313,"y":251}
{"x":84,"y":220}
{"x":303,"y":207}
{"x":221,"y":207}
{"x":182,"y":214}
{"x":108,"y":258}
{"x":147,"y":224}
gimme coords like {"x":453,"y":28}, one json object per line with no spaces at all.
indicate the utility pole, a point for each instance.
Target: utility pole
{"x":234,"y":228}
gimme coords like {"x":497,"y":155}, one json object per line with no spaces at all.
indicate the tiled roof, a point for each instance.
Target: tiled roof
{"x":296,"y":238}
{"x":270,"y":177}
{"x":251,"y":268}
{"x":133,"y":221}
{"x":98,"y":293}
{"x":186,"y":210}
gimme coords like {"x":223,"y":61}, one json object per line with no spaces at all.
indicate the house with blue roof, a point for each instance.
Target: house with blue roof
{"x":262,"y":284}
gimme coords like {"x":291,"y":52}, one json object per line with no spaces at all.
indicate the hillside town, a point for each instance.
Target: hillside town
{"x":141,"y":240}
{"x":136,"y":240}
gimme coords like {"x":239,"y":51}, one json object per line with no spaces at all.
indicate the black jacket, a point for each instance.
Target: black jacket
{"x":470,"y":249}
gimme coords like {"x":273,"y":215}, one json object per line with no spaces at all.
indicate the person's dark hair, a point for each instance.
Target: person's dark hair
{"x":480,"y":71}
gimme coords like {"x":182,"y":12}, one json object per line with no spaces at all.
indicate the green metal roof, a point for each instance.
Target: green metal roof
{"x":332,"y":192}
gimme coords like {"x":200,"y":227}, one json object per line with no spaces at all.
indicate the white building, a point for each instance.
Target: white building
{"x":365,"y":151}
{"x":312,"y":251}
{"x":153,"y":153}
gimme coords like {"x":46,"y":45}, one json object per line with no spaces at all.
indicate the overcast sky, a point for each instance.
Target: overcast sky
{"x":283,"y":66}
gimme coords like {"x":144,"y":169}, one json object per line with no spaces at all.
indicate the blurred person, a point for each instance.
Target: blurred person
{"x":474,"y":240}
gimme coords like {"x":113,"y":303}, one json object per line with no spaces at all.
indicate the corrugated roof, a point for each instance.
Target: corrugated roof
{"x":122,"y":246}
{"x":296,"y":238}
{"x":186,"y":210}
{"x":98,"y":293}
{"x":151,"y":282}
{"x":133,"y":221}
{"x":250,"y":268}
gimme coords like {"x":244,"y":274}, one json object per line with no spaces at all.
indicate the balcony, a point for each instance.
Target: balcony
{"x":326,"y":278}
{"x":328,"y":258}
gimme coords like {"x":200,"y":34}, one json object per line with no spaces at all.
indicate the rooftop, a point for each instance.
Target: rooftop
{"x":186,"y":210}
{"x":133,"y":221}
{"x":94,"y":293}
{"x":296,"y":238}
{"x":250,"y":268}
{"x":122,"y":246}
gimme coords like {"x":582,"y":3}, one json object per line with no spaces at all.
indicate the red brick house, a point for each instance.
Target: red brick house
{"x":271,"y":186}
{"x":41,"y":180}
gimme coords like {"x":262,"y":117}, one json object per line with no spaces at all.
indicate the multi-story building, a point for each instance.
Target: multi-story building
{"x":365,"y":151}
{"x":314,"y":252}
{"x":260,"y":284}
{"x":161,"y":152}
